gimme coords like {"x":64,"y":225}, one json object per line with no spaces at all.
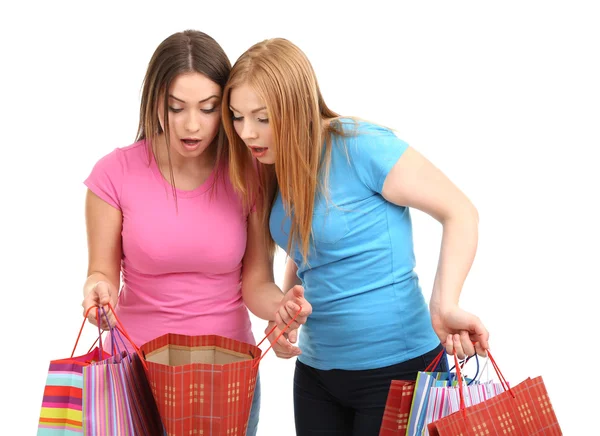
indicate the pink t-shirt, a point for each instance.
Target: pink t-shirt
{"x":181,"y":269}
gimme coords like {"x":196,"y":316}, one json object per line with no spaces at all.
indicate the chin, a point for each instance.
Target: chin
{"x":193,"y":153}
{"x":266,"y":160}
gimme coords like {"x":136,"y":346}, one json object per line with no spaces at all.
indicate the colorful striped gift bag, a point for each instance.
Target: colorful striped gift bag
{"x":61,"y":413}
{"x":62,"y":401}
{"x":399,"y":401}
{"x":444,"y":395}
{"x":117,"y":398}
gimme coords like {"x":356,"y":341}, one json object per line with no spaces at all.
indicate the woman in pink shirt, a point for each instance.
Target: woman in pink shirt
{"x":162,"y":214}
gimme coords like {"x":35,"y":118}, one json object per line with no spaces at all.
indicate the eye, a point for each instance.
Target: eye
{"x":263,"y":120}
{"x":208,"y":111}
{"x":175,"y":110}
{"x":234,"y":118}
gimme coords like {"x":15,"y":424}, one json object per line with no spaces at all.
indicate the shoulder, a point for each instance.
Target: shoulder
{"x":122,"y":154}
{"x":359,"y":136}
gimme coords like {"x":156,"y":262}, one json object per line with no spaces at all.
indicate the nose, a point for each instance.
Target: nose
{"x":192,"y":122}
{"x":248,"y":132}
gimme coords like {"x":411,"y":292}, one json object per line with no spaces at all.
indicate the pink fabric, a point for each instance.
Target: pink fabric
{"x":181,"y":269}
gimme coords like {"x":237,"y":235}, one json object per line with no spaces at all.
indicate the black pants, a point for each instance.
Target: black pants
{"x":349,"y":403}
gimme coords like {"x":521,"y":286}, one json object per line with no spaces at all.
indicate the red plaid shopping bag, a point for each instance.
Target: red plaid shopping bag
{"x":398,"y":404}
{"x":522,"y":410}
{"x":203,"y":384}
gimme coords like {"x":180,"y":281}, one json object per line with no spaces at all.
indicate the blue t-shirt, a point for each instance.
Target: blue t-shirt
{"x":368,"y":309}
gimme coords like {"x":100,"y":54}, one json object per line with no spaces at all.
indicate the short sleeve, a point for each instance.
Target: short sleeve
{"x":373,"y":152}
{"x":106,"y":178}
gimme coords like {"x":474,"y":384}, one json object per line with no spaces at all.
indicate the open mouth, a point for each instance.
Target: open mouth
{"x":258,"y":151}
{"x":190,"y":143}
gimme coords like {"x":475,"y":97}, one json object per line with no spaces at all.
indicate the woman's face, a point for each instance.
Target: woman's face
{"x":194,"y":115}
{"x":251,"y":123}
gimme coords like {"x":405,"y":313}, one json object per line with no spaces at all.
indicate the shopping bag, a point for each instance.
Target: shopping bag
{"x":203,"y":384}
{"x":117,"y":399}
{"x":61,"y":412}
{"x":443,"y":397}
{"x":398,"y":403}
{"x":524,"y":409}
{"x":421,"y":400}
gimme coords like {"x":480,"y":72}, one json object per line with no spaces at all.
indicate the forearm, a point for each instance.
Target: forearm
{"x":290,"y":277}
{"x":263,"y":299}
{"x":459,"y":245}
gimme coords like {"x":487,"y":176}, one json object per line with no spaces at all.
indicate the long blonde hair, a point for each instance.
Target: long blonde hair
{"x":282,"y":76}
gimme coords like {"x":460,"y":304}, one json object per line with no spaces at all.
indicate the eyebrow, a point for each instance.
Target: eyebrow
{"x":201,"y":101}
{"x":253,"y":112}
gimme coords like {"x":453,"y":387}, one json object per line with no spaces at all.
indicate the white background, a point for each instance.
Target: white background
{"x":504,"y":98}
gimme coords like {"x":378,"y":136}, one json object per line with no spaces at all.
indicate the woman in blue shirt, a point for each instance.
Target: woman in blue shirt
{"x":335,"y":193}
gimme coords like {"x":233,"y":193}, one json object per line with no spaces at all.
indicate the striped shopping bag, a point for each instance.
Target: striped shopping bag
{"x":117,"y":398}
{"x":398,"y":404}
{"x":61,"y":413}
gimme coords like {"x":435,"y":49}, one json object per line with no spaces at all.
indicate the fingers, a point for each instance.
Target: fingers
{"x":293,"y":336}
{"x":300,"y":302}
{"x":103,"y":294}
{"x":282,"y":347}
{"x":480,"y":349}
{"x":482,"y":336}
{"x":107,"y":319}
{"x":99,"y":296}
{"x":460,"y":344}
{"x":464,"y":346}
{"x":294,"y":307}
{"x":98,"y":315}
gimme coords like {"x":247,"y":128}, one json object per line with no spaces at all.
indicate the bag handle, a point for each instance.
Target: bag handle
{"x":99,"y":339}
{"x":435,"y":362}
{"x":277,"y":338}
{"x":119,"y":327}
{"x":460,"y":384}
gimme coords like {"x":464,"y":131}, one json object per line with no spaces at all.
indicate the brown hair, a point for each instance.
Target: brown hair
{"x":183,"y":52}
{"x":302,"y":125}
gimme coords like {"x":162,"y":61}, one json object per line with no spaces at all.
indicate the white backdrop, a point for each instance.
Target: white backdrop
{"x":504,"y":98}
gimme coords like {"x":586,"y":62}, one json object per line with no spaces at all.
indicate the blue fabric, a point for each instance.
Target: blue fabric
{"x":368,"y":308}
{"x":255,"y":410}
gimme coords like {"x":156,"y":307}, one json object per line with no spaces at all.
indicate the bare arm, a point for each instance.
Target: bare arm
{"x":104,"y":225}
{"x":261,"y":295}
{"x":290,"y":277}
{"x":417,"y":183}
{"x":264,"y":298}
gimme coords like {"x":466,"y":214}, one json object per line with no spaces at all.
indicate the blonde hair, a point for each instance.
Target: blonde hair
{"x":302,"y":125}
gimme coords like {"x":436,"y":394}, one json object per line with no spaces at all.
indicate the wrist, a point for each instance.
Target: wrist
{"x":439,"y":306}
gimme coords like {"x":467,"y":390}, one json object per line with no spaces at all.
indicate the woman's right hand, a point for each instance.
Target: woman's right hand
{"x":283,"y":347}
{"x":100,"y":295}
